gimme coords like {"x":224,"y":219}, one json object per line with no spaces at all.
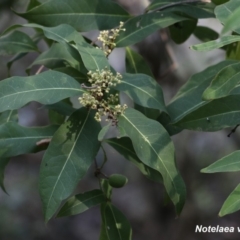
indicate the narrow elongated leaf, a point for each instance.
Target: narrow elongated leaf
{"x":205,"y":34}
{"x":154,"y":148}
{"x":125,"y":148}
{"x":135,"y":63}
{"x":16,"y":140}
{"x":16,"y":42}
{"x":142,"y":26}
{"x":60,"y":55}
{"x":33,"y":4}
{"x":92,"y":58}
{"x":232,"y":203}
{"x":62,"y":108}
{"x":117,"y":226}
{"x":223,"y":41}
{"x":181,"y":31}
{"x":81,"y":203}
{"x":79,"y":76}
{"x":82,"y":15}
{"x":213,"y":116}
{"x":225,"y":81}
{"x":195,"y":9}
{"x":232,"y":22}
{"x":47,"y":88}
{"x":189,"y":97}
{"x":144,"y":90}
{"x":224,"y":11}
{"x":67,"y":159}
{"x":103,"y":132}
{"x":230,"y":163}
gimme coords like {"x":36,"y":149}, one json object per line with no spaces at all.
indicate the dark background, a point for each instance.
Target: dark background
{"x":142,"y":201}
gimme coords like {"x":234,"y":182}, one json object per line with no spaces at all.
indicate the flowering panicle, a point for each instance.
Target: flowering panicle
{"x":101,"y":82}
{"x":108,"y":37}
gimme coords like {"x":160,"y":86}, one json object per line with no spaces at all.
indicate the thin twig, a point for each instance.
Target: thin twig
{"x":39,"y":70}
{"x":233,"y":130}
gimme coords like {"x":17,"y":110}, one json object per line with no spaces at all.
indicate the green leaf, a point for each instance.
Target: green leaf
{"x":223,"y":41}
{"x":125,"y":148}
{"x":205,"y":34}
{"x":117,"y":226}
{"x":55,"y":117}
{"x":232,"y":22}
{"x":103,"y":132}
{"x":82,"y":15}
{"x":16,"y":42}
{"x":140,"y":27}
{"x":32,"y":4}
{"x":47,"y":88}
{"x":233,"y":51}
{"x":224,"y":11}
{"x":16,"y":140}
{"x":62,"y":108}
{"x":224,"y":82}
{"x":135,"y":63}
{"x":79,"y":76}
{"x":232,"y":203}
{"x":181,"y":31}
{"x":194,"y":9}
{"x":213,"y":116}
{"x":229,"y":163}
{"x":60,"y":55}
{"x":92,"y":58}
{"x":189,"y":97}
{"x":144,"y":90}
{"x":8,"y":116}
{"x":67,"y":159}
{"x":81,"y":203}
{"x":154,"y":148}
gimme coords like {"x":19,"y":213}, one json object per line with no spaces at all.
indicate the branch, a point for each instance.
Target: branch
{"x":233,"y":130}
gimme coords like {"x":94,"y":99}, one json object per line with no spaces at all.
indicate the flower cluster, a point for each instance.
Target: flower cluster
{"x":98,"y":97}
{"x":108,"y":37}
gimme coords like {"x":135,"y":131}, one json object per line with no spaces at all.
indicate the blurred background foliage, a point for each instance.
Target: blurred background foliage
{"x":142,"y":201}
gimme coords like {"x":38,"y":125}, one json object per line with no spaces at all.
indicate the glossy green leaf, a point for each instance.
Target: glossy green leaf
{"x":181,"y":31}
{"x":232,"y":22}
{"x":195,"y":9}
{"x":55,"y":117}
{"x":103,"y":132}
{"x":135,"y":63}
{"x":92,"y":58}
{"x":16,"y":140}
{"x":225,"y":81}
{"x":60,"y":55}
{"x":218,"y":2}
{"x":8,"y":116}
{"x":47,"y":88}
{"x":140,"y":27}
{"x":233,"y":51}
{"x":189,"y":97}
{"x":81,"y":203}
{"x":125,"y":148}
{"x":144,"y":90}
{"x":224,"y":11}
{"x":205,"y":34}
{"x":82,"y":15}
{"x":154,"y":148}
{"x":223,"y":41}
{"x":3,"y":164}
{"x":79,"y":76}
{"x":33,"y":4}
{"x":16,"y":42}
{"x":67,"y":159}
{"x":229,"y":163}
{"x":62,"y":108}
{"x":213,"y":116}
{"x":232,"y":203}
{"x":117,"y":226}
